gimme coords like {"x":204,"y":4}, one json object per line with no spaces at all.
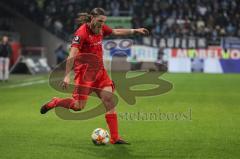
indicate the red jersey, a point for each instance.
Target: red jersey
{"x":89,"y":44}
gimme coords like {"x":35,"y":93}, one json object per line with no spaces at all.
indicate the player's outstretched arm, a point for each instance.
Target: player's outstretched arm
{"x":123,"y":32}
{"x":69,"y":66}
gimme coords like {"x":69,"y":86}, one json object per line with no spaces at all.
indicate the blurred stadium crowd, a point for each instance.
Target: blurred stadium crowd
{"x":200,"y":18}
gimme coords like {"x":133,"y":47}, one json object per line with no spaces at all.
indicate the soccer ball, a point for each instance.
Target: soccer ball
{"x":100,"y":136}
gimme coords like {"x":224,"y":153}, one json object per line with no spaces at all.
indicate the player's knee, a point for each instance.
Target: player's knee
{"x":78,"y":106}
{"x":107,"y":97}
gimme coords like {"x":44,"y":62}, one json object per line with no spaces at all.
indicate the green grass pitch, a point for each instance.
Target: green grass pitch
{"x":210,"y":129}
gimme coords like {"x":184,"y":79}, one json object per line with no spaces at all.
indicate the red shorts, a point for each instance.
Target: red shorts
{"x":88,"y":81}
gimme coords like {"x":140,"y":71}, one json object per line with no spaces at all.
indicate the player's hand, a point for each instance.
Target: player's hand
{"x":142,"y":31}
{"x":65,"y":82}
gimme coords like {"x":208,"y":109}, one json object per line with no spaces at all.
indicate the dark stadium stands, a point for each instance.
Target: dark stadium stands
{"x":165,"y":18}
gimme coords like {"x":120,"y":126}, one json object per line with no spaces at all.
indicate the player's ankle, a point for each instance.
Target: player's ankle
{"x":114,"y":139}
{"x":52,"y":103}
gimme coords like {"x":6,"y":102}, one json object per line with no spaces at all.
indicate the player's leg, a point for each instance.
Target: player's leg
{"x":77,"y":103}
{"x":68,"y":103}
{"x":6,"y":68}
{"x":1,"y":68}
{"x":106,"y":95}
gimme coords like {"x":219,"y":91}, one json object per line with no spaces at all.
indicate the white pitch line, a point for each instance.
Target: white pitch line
{"x":26,"y":84}
{"x":33,"y":79}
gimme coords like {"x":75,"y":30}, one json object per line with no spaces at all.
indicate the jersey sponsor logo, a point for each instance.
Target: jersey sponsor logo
{"x":76,"y":40}
{"x":97,"y":43}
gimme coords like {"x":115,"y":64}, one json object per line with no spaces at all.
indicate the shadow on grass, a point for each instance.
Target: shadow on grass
{"x":108,"y":151}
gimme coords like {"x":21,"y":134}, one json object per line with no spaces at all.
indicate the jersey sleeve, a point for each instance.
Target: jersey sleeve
{"x":106,"y":30}
{"x":78,"y":39}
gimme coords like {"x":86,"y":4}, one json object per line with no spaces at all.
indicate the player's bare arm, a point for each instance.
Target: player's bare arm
{"x":69,"y":66}
{"x":123,"y":32}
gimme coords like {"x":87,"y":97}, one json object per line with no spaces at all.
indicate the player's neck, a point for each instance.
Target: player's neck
{"x":92,"y":29}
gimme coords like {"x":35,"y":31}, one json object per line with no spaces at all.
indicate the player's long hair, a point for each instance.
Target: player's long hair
{"x":97,"y":12}
{"x":85,"y":17}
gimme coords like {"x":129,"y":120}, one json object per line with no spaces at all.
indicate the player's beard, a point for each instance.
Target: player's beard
{"x":96,"y":28}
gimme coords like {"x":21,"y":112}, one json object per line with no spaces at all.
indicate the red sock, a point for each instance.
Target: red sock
{"x":64,"y":102}
{"x":112,"y":122}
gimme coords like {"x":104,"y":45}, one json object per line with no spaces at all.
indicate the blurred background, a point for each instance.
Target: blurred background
{"x":196,"y":41}
{"x":186,"y":35}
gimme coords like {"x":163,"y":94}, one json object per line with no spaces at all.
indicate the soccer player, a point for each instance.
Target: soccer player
{"x":5,"y":53}
{"x":88,"y":40}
